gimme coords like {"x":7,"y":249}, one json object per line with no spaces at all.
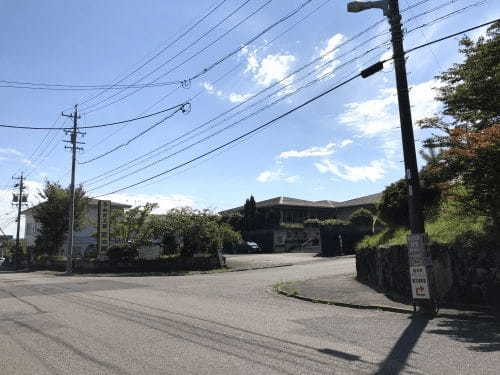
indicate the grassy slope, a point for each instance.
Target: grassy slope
{"x":451,"y":222}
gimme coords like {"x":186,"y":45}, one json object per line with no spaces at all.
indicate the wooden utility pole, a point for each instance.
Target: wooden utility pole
{"x":74,"y":148}
{"x":19,"y":200}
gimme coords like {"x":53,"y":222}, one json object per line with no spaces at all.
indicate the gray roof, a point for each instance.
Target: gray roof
{"x":294,"y":202}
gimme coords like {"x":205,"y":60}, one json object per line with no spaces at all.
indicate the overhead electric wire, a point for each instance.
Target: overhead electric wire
{"x":232,"y":53}
{"x":224,"y":145}
{"x":227,"y":73}
{"x":93,"y":126}
{"x":65,"y":87}
{"x":265,"y":125}
{"x":288,"y":76}
{"x":155,"y":56}
{"x":280,"y":99}
{"x":181,"y":108}
{"x":442,"y":6}
{"x":92,"y":107}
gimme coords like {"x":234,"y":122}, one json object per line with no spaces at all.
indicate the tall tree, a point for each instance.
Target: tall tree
{"x":53,"y":216}
{"x":470,"y":91}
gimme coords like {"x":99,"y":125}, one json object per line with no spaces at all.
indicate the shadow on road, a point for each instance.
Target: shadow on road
{"x":484,"y":333}
{"x":396,"y":360}
{"x":339,"y":354}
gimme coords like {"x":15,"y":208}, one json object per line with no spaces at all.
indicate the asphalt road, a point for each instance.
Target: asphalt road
{"x":225,"y":323}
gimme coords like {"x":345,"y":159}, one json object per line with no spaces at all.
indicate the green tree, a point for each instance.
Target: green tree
{"x":133,"y":227}
{"x":53,"y":216}
{"x":362,"y":218}
{"x":470,"y":91}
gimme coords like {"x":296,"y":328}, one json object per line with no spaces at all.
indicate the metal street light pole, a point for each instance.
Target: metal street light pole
{"x":419,"y":258}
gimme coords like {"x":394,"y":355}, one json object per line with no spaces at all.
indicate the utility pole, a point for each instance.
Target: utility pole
{"x":419,"y":257}
{"x":74,"y":148}
{"x":19,"y":200}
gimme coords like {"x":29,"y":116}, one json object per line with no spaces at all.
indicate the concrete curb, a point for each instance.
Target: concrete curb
{"x":344,"y":304}
{"x":259,"y":267}
{"x":490,"y":315}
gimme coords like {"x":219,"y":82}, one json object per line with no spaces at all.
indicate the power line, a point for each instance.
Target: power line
{"x":184,"y":108}
{"x":309,"y":101}
{"x":94,"y":126}
{"x":67,"y":87}
{"x":286,"y":113}
{"x":452,"y":35}
{"x":293,"y":73}
{"x":227,"y":73}
{"x":149,"y":60}
{"x":230,"y":54}
{"x":279,"y":100}
{"x":169,"y":60}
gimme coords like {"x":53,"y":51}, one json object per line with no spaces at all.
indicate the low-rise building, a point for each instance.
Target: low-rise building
{"x":284,"y":232}
{"x":83,"y":239}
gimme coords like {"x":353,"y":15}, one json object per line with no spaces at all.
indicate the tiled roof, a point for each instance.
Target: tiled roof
{"x":294,"y":202}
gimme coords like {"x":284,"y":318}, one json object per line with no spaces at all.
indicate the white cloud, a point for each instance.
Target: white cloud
{"x":165,"y":202}
{"x":328,"y":54}
{"x":238,"y":98}
{"x":346,"y":142}
{"x":209,"y":87}
{"x":309,"y":152}
{"x":278,"y":175}
{"x":372,"y":172}
{"x":375,"y":116}
{"x":10,"y":151}
{"x":272,"y":68}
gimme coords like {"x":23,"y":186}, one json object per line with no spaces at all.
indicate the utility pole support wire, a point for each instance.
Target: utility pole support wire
{"x":73,"y":140}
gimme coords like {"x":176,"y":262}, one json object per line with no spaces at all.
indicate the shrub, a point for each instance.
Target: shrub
{"x":230,"y":238}
{"x":122,"y":254}
{"x":362,"y":218}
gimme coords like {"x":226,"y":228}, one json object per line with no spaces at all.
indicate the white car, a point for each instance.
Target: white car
{"x":2,"y":259}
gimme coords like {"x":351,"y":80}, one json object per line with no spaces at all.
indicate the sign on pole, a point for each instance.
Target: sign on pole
{"x":419,"y":259}
{"x":103,"y":226}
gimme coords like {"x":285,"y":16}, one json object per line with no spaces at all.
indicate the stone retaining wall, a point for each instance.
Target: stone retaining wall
{"x":461,"y":276}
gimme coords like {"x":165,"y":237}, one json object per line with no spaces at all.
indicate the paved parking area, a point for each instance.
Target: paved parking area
{"x":244,"y":261}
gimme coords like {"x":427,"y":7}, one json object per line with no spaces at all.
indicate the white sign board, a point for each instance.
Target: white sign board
{"x":419,"y":282}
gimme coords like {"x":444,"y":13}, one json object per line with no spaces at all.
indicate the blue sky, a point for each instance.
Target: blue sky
{"x":342,"y":146}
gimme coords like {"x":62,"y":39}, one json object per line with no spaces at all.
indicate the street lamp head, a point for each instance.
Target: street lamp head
{"x":359,"y":6}
{"x":356,"y":6}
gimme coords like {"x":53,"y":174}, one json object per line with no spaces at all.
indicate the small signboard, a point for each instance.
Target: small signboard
{"x":103,"y":226}
{"x":418,"y":259}
{"x":419,"y":282}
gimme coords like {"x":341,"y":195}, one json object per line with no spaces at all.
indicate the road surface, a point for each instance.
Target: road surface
{"x":224,"y":323}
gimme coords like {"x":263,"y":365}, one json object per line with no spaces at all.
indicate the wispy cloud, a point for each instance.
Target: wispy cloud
{"x":346,"y":142}
{"x":238,"y":98}
{"x":165,"y":201}
{"x":10,"y":151}
{"x":375,"y":116}
{"x":372,"y":172}
{"x":276,"y":175}
{"x":309,"y":152}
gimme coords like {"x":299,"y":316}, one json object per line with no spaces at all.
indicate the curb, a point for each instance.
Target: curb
{"x":345,"y":304}
{"x":398,"y":310}
{"x":259,"y":268}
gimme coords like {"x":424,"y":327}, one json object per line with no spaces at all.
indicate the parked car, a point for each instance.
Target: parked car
{"x":2,"y":260}
{"x":251,"y":247}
